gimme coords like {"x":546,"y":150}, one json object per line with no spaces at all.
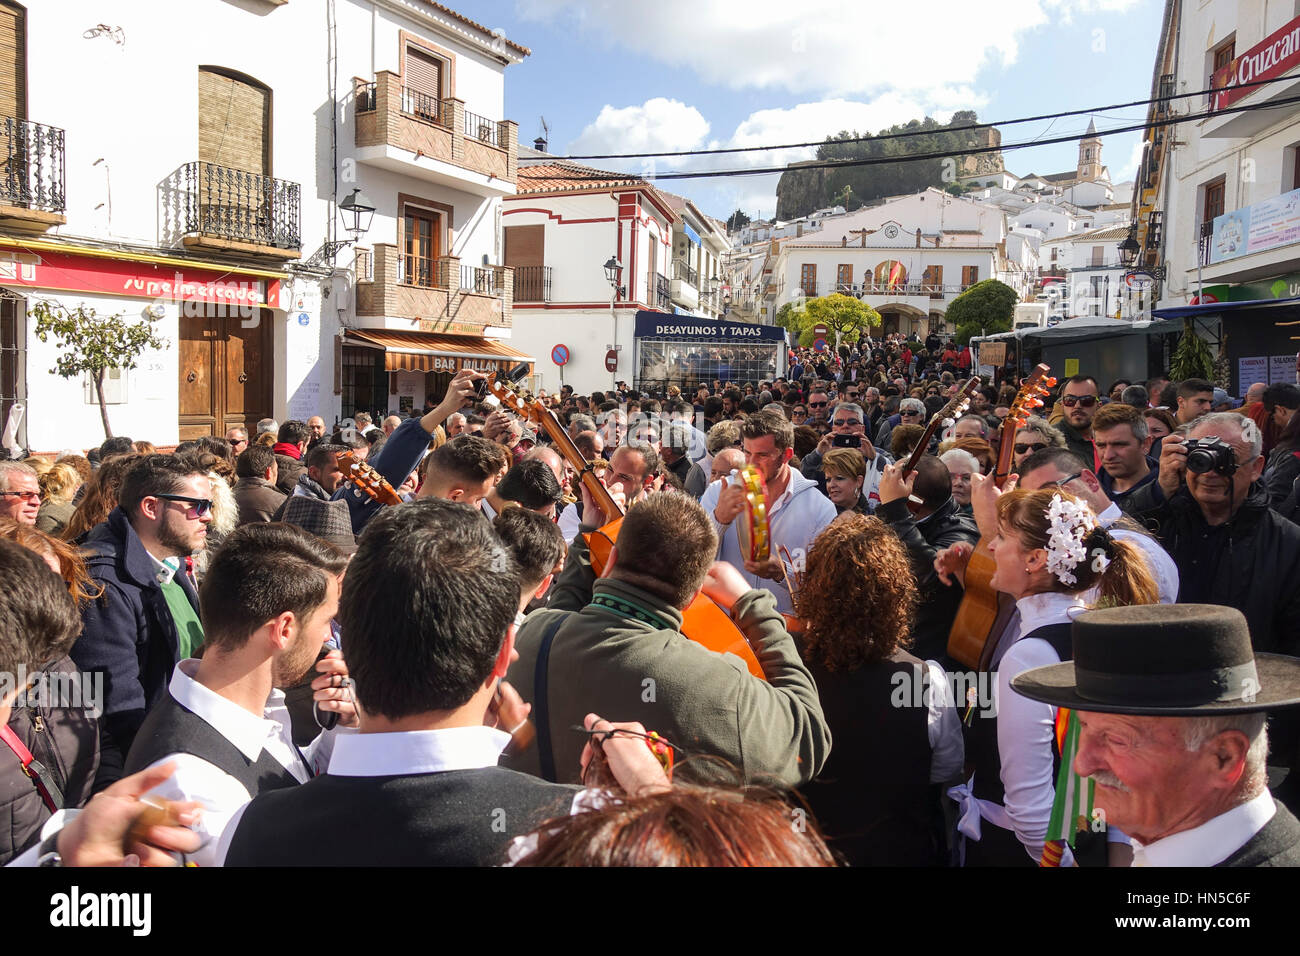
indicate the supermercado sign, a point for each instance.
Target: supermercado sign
{"x":78,"y":273}
{"x":661,"y":325}
{"x":1272,"y":56}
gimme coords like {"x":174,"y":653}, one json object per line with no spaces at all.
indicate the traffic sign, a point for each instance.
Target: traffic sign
{"x":1139,"y":280}
{"x":819,"y":344}
{"x":820,"y":329}
{"x":560,"y":355}
{"x":611,"y":361}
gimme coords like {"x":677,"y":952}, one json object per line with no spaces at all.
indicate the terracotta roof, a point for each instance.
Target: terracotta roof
{"x":1105,"y":232}
{"x":562,"y":176}
{"x":476,"y":25}
{"x":1072,"y":176}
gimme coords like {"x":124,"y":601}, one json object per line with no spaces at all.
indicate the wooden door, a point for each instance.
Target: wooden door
{"x":420,"y":238}
{"x":225,"y":374}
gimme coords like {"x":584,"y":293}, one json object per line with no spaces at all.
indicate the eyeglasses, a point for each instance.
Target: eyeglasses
{"x":1061,"y":483}
{"x":1086,"y":401}
{"x":906,"y":414}
{"x":845,"y":422}
{"x":25,"y":495}
{"x":818,"y":404}
{"x":236,"y":442}
{"x":1027,"y":448}
{"x":202,"y":506}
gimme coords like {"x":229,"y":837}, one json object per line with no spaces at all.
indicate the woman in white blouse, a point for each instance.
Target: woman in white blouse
{"x":1050,"y":551}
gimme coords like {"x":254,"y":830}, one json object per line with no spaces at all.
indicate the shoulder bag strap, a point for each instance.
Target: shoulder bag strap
{"x":545,"y":752}
{"x":41,"y":778}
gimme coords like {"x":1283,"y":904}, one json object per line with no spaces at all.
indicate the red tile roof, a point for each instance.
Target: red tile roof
{"x":478,"y":26}
{"x":562,"y":176}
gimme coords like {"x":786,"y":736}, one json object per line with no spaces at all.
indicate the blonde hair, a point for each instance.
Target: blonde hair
{"x":844,"y":463}
{"x":59,"y":483}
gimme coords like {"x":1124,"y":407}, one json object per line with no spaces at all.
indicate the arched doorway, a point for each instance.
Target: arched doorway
{"x":889,"y":274}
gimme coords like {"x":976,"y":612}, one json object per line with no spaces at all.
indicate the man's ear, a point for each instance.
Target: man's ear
{"x":279,"y":630}
{"x":544,"y":586}
{"x":609,"y":565}
{"x":1256,"y":467}
{"x":1226,"y":751}
{"x":1089,"y":478}
{"x":150,"y":507}
{"x":502,"y":663}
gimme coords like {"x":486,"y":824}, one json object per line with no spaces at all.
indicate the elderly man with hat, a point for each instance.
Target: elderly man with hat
{"x":1171,"y":704}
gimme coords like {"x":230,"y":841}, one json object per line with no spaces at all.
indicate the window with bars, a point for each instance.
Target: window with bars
{"x":364,"y":381}
{"x":843,"y":276}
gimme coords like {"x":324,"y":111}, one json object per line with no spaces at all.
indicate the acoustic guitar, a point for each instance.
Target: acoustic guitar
{"x":981,"y":607}
{"x":363,"y":476}
{"x":705,"y":621}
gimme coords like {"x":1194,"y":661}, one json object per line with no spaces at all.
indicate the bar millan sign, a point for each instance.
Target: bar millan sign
{"x":1274,"y":56}
{"x":661,"y":325}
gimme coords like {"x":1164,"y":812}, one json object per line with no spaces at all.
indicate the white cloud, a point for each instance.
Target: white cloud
{"x":656,"y":124}
{"x":837,"y":47}
{"x":1128,"y":170}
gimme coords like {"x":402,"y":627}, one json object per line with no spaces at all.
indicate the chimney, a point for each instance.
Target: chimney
{"x":918,"y":237}
{"x":798,"y":230}
{"x":539,"y":144}
{"x":844,"y":241}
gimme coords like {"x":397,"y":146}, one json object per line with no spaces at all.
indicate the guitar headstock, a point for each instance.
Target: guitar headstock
{"x":959,"y":402}
{"x":1030,"y":397}
{"x":512,"y":400}
{"x":364,"y":477}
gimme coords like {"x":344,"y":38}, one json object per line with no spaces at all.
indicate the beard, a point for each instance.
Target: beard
{"x":295,"y":665}
{"x":180,"y":541}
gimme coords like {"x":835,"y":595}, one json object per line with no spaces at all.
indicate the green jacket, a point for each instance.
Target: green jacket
{"x":605,"y":661}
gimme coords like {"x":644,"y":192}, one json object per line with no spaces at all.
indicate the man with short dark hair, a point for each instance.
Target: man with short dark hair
{"x":1122,"y":439}
{"x":1080,"y":399}
{"x":117,"y":445}
{"x":322,"y":477}
{"x":796,"y":511}
{"x":614,"y":645}
{"x":290,"y":446}
{"x":530,"y":485}
{"x":419,"y":784}
{"x":464,"y":470}
{"x":147,"y":618}
{"x":631,"y":471}
{"x":269,"y":597}
{"x":538,"y":549}
{"x":256,"y":492}
{"x":1195,"y":398}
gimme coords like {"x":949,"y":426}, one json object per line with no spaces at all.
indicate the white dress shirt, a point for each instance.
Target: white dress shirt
{"x":1213,"y":841}
{"x":1162,"y":565}
{"x":568,"y":523}
{"x":794,"y":520}
{"x":221,"y":796}
{"x":943,"y":727}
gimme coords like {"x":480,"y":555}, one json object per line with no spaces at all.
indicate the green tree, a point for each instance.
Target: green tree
{"x":984,"y":308}
{"x":91,"y":344}
{"x":1191,"y":358}
{"x":843,"y":315}
{"x":737,"y":220}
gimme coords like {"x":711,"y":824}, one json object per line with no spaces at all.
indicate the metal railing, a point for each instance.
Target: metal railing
{"x":683,"y":271}
{"x":366,"y":97}
{"x":239,"y":205}
{"x":32,"y":174}
{"x":427,"y":107}
{"x":479,"y":279}
{"x":663,"y":294}
{"x":481,"y":128}
{"x":1205,"y":242}
{"x":532,"y":284}
{"x":423,"y":271}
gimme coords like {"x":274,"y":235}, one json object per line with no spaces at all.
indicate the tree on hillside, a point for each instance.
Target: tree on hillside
{"x":984,"y":308}
{"x":737,"y":221}
{"x":92,"y":344}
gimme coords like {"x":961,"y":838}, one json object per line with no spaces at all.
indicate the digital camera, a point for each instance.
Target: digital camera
{"x":1210,"y":454}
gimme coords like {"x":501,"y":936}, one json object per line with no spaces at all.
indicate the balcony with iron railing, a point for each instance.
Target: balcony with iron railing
{"x":416,"y":133}
{"x":685,"y":288}
{"x":220,"y":209}
{"x":532,"y":283}
{"x":663,"y":292}
{"x":32,"y":196}
{"x":432,"y":293}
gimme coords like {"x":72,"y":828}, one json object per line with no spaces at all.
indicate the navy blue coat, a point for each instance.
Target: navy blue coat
{"x":128,"y":634}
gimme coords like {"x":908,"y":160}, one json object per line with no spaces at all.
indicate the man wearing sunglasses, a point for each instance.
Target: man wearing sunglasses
{"x":20,"y":492}
{"x":1080,"y":399}
{"x":147,"y":619}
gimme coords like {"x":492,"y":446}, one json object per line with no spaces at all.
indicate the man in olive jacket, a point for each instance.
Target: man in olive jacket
{"x":613,"y":646}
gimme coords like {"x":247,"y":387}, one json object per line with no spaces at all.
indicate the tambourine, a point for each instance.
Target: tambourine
{"x":755,"y":543}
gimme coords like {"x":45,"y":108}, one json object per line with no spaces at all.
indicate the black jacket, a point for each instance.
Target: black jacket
{"x":1259,"y":573}
{"x":1083,"y":447}
{"x":1277,"y":844}
{"x":924,"y":539}
{"x":128,"y":634}
{"x":1280,"y":475}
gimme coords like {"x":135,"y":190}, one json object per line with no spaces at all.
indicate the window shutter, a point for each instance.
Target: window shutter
{"x":525,"y":245}
{"x":13,"y":62}
{"x":423,"y":72}
{"x":234,"y":122}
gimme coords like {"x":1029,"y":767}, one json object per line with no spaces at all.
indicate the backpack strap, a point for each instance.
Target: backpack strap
{"x":545,"y":752}
{"x":41,"y":778}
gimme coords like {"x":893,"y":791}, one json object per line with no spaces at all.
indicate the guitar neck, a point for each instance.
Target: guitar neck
{"x":565,"y":446}
{"x":1006,"y":444}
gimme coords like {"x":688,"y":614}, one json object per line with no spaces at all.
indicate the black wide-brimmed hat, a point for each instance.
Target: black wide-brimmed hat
{"x":1165,"y":660}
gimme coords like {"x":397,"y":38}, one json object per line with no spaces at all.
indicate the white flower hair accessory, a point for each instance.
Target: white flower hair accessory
{"x":1069,"y":524}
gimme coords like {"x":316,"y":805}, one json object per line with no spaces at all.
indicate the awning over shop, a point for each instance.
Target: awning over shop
{"x":425,"y":352}
{"x":1213,"y":308}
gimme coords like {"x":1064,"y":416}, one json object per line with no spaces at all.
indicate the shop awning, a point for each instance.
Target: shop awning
{"x":426,"y":352}
{"x":1213,"y":308}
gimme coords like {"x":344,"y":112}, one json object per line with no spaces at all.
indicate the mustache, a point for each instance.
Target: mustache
{"x":1108,"y":779}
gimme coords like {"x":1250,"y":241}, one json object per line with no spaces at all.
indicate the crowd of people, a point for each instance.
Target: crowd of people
{"x":563,"y":648}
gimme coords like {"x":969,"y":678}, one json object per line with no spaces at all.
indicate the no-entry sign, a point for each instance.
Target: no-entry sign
{"x":611,"y":361}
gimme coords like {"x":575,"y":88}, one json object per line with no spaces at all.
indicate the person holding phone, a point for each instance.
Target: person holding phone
{"x":845,"y":471}
{"x":848,"y":430}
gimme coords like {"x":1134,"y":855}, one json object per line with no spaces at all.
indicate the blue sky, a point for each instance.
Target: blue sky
{"x":628,"y":76}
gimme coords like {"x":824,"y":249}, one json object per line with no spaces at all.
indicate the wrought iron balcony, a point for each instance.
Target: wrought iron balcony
{"x":32,"y":174}
{"x":663,"y":294}
{"x":532,"y":283}
{"x":683,"y":271}
{"x":236,"y":206}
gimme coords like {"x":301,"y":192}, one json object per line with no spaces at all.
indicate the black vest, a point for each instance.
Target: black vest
{"x":171,"y":728}
{"x":996,"y":846}
{"x":453,"y":818}
{"x":1277,"y":844}
{"x":872,"y":797}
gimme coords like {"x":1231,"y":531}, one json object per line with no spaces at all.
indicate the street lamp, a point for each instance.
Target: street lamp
{"x":613,"y":272}
{"x":1128,"y":250}
{"x":357,"y":212}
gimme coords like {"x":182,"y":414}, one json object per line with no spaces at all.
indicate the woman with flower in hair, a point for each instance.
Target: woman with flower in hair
{"x":1051,"y":554}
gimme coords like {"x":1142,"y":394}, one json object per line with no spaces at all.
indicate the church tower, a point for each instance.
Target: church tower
{"x":1090,"y":155}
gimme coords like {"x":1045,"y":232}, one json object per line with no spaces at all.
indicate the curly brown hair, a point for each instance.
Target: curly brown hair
{"x":858,"y":595}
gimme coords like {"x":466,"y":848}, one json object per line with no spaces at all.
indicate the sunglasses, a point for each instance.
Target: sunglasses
{"x":25,"y":495}
{"x":202,"y":506}
{"x":1067,"y":479}
{"x":845,"y":422}
{"x":1027,"y":448}
{"x":1086,"y":401}
{"x":818,"y":404}
{"x":237,"y":441}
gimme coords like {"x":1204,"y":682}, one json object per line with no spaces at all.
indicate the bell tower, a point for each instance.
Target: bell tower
{"x":1090,"y":155}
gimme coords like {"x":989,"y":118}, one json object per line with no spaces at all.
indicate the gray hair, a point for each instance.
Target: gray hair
{"x":268,"y":425}
{"x":911,"y":405}
{"x":984,"y":426}
{"x":1048,"y":432}
{"x":583,"y":423}
{"x":722,"y":435}
{"x":851,"y":407}
{"x":960,"y":456}
{"x":8,"y":468}
{"x":1198,"y":730}
{"x":872,"y":390}
{"x":1246,"y":427}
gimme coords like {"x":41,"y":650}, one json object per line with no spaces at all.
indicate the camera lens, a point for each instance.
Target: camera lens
{"x":1200,"y":460}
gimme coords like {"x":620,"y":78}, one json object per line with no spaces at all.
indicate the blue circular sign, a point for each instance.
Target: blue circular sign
{"x":819,"y":344}
{"x":304,"y":318}
{"x":560,"y":355}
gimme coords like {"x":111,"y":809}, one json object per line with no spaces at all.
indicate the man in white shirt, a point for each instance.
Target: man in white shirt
{"x":270,"y":596}
{"x":796,"y":510}
{"x":1171,"y":705}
